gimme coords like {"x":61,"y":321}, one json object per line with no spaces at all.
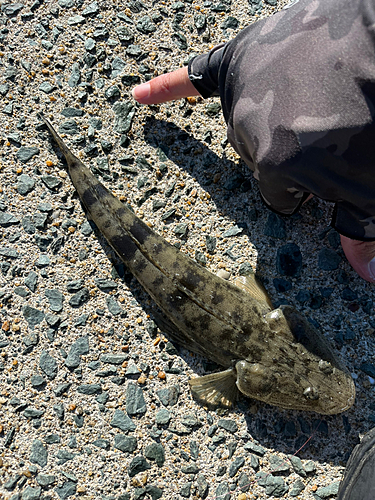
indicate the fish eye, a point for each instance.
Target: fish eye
{"x":311,"y":393}
{"x":325,"y":366}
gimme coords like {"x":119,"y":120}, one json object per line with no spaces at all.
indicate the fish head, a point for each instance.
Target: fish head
{"x":298,"y":370}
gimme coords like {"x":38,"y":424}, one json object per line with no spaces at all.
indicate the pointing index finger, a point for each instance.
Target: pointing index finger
{"x":167,"y":87}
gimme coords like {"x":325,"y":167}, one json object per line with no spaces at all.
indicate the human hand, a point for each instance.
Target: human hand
{"x":167,"y":87}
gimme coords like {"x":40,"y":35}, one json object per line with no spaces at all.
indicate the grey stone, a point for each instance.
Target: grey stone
{"x":135,"y":402}
{"x":30,"y":493}
{"x":230,"y":23}
{"x":118,"y":65}
{"x":25,"y":153}
{"x":56,"y":299}
{"x":163,"y":417}
{"x":190,"y":469}
{"x":121,"y":421}
{"x":43,"y":261}
{"x":32,"y":316}
{"x":75,"y":285}
{"x":37,"y":381}
{"x":202,"y":486}
{"x":78,"y":348}
{"x":67,"y":490}
{"x":80,"y":298}
{"x":145,"y":25}
{"x":138,"y":464}
{"x":75,"y":76}
{"x":289,"y":260}
{"x":228,"y":424}
{"x":126,"y":444}
{"x":113,"y":359}
{"x":255,"y":448}
{"x":155,"y":451}
{"x":275,"y":227}
{"x":297,"y":465}
{"x":244,"y":482}
{"x":124,"y":34}
{"x":48,"y":364}
{"x":39,"y":454}
{"x":69,"y":127}
{"x":46,"y":87}
{"x":297,"y":488}
{"x":25,"y":184}
{"x":278,"y":465}
{"x":12,"y":9}
{"x":75,"y":20}
{"x":213,"y":108}
{"x":62,"y":389}
{"x":222,"y":491}
{"x":51,"y":182}
{"x":9,"y":252}
{"x":91,"y":9}
{"x":52,"y":319}
{"x":235,"y":466}
{"x":113,"y":306}
{"x":89,"y":389}
{"x":102,"y":443}
{"x":328,"y":491}
{"x":45,"y":480}
{"x":186,"y":490}
{"x":169,"y":395}
{"x":233,"y":231}
{"x":124,"y":114}
{"x":112,"y":92}
{"x":328,"y":259}
{"x":12,"y":482}
{"x":43,"y":242}
{"x":71,"y":112}
{"x":7,"y":219}
{"x":275,"y":486}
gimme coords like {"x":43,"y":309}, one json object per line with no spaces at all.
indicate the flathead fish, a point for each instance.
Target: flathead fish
{"x":272,"y":355}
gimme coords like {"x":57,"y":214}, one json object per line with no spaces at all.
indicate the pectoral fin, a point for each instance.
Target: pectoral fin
{"x":251,"y":285}
{"x":216,"y":389}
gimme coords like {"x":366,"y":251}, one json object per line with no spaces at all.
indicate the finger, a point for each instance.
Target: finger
{"x":167,"y":87}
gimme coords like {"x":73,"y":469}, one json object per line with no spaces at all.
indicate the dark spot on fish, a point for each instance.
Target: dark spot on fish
{"x":101,"y":190}
{"x":190,"y":280}
{"x":107,"y":223}
{"x":159,"y":281}
{"x":121,"y":211}
{"x":124,"y":246}
{"x":255,"y":353}
{"x":89,"y":198}
{"x":216,"y":298}
{"x":158,"y":248}
{"x":140,"y":231}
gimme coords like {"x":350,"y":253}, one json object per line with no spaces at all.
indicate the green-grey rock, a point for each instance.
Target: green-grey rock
{"x":255,"y":448}
{"x":68,"y":489}
{"x":213,"y":108}
{"x":222,"y":491}
{"x":113,"y":359}
{"x":145,"y":25}
{"x":48,"y":364}
{"x":25,"y":153}
{"x":80,"y":298}
{"x":45,"y":480}
{"x":169,"y":395}
{"x":56,"y":299}
{"x":135,"y":402}
{"x":75,"y":76}
{"x":39,"y":454}
{"x":51,"y":182}
{"x":328,"y":491}
{"x":32,"y":316}
{"x":228,"y":424}
{"x":297,"y":465}
{"x":25,"y":184}
{"x":78,"y":348}
{"x":121,"y":421}
{"x":163,"y":417}
{"x":233,"y":231}
{"x":126,"y":444}
{"x":328,"y":259}
{"x":9,"y":252}
{"x":138,"y":464}
{"x":69,"y":127}
{"x":124,"y":114}
{"x":102,"y":443}
{"x":46,"y":87}
{"x":275,"y":486}
{"x":155,"y":451}
{"x":297,"y":488}
{"x":37,"y":381}
{"x":70,"y":112}
{"x":30,"y":493}
{"x":89,"y":389}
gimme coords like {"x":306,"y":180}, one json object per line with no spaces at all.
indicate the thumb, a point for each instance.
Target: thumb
{"x":167,"y":87}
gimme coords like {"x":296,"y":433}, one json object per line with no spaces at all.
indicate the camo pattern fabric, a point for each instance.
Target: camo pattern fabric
{"x":298,"y":95}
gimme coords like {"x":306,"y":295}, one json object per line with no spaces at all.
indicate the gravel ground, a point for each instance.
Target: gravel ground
{"x":94,"y":400}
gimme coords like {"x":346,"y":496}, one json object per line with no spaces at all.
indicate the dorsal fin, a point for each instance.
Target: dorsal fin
{"x":252,"y":286}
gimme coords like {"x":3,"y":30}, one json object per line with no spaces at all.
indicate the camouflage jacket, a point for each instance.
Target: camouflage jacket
{"x":298,"y":95}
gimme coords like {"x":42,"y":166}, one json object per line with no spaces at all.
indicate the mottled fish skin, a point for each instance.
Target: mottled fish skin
{"x":275,"y":356}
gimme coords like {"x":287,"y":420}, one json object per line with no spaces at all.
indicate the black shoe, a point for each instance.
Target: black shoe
{"x":358,"y":482}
